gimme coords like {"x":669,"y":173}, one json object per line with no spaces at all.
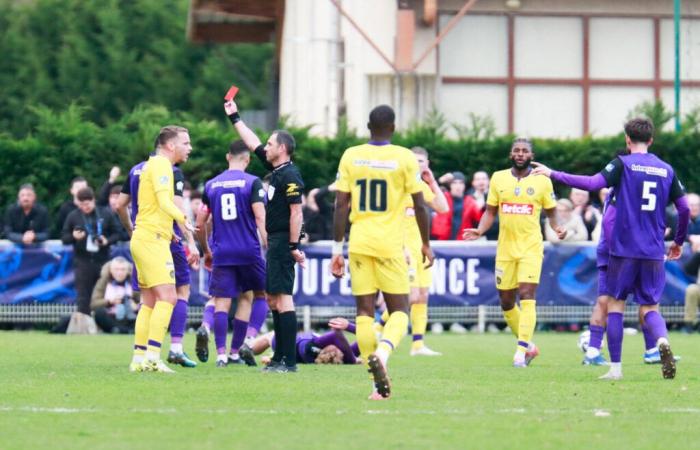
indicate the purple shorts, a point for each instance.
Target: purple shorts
{"x":644,"y":278}
{"x":182,"y":268}
{"x":603,"y":288}
{"x":229,"y":281}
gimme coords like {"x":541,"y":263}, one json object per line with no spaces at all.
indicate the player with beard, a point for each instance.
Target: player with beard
{"x":518,"y":199}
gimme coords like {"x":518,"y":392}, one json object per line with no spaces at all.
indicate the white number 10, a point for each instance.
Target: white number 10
{"x":228,"y":207}
{"x":649,"y":196}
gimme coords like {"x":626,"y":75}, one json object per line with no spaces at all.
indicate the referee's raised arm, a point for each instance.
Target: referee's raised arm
{"x":247,"y":135}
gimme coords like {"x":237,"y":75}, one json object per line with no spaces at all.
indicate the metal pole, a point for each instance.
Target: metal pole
{"x":677,"y":80}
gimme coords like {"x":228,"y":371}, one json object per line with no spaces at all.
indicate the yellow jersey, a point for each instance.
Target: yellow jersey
{"x":520,"y":203}
{"x":156,"y":176}
{"x":378,"y":178}
{"x":413,"y":238}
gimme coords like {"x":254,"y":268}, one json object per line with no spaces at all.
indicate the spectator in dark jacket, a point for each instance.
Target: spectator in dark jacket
{"x":91,"y":230}
{"x":463,"y":210}
{"x":71,"y":205}
{"x":26,"y":222}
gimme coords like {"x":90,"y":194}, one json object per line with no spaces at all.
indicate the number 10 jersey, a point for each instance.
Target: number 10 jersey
{"x":230,"y":197}
{"x":378,"y":178}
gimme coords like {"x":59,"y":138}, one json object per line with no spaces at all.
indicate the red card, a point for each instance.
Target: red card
{"x":231,"y":93}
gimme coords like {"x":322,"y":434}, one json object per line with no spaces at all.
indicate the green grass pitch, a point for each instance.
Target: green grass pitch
{"x":74,"y":392}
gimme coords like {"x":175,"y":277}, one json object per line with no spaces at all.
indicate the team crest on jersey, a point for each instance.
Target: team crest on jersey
{"x":530,"y":191}
{"x":163,"y":179}
{"x":270,"y":192}
{"x":517,"y":191}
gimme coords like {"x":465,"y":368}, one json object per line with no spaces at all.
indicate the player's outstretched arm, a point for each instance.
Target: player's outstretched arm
{"x":247,"y":135}
{"x":423,"y":219}
{"x":340,"y":223}
{"x":485,"y":224}
{"x":123,"y":213}
{"x":584,"y":182}
{"x":439,"y":203}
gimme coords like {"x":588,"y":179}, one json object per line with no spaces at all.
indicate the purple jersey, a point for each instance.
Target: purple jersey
{"x":131,"y":187}
{"x":230,"y":197}
{"x":644,"y":185}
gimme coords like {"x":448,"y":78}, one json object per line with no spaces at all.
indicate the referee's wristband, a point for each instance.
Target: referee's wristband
{"x":234,"y":118}
{"x":338,"y":248}
{"x":293,"y":246}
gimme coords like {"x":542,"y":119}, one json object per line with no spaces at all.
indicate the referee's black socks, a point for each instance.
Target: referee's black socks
{"x":279,"y":352}
{"x":287,"y":339}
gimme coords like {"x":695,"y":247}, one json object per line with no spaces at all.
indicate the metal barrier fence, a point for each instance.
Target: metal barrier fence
{"x":318,"y":316}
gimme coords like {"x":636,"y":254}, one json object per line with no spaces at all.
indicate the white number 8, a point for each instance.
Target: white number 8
{"x":228,"y":207}
{"x":649,"y":196}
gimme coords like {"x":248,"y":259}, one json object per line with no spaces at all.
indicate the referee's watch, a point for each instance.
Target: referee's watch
{"x":293,"y":246}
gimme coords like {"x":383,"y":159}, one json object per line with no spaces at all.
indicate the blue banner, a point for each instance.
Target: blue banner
{"x":462,"y":275}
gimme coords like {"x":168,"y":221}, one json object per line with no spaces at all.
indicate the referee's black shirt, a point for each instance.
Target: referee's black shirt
{"x":286,"y":186}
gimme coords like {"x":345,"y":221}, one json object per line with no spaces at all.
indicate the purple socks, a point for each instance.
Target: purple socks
{"x":657,"y":328}
{"x":596,"y":340}
{"x":220,"y":330}
{"x":615,"y":331}
{"x":178,"y":321}
{"x":257,"y":316}
{"x":208,"y":317}
{"x":239,"y":332}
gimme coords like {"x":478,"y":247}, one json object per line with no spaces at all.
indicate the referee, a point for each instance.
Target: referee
{"x":284,"y":221}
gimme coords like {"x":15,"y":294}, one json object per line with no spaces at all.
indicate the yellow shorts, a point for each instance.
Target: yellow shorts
{"x":418,"y":275}
{"x":509,"y":273}
{"x":154,"y":262}
{"x":370,"y":274}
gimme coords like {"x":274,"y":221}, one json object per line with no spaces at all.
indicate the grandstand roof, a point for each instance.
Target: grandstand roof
{"x":235,"y":20}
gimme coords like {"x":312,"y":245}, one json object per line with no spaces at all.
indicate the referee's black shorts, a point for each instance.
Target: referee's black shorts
{"x":279,"y":265}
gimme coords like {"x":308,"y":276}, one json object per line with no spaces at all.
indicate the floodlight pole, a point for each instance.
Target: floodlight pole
{"x":677,"y":79}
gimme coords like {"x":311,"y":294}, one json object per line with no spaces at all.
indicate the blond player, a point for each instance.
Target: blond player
{"x":518,"y":198}
{"x":421,"y":277}
{"x":150,"y":247}
{"x":375,"y":179}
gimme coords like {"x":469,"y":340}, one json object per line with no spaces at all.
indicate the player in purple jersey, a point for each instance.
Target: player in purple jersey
{"x":328,"y":348}
{"x":236,"y":202}
{"x":178,"y":320}
{"x":644,"y":185}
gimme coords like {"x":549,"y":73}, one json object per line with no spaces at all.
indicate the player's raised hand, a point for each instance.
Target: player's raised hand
{"x":471,"y":234}
{"x":230,"y":107}
{"x":561,"y":232}
{"x":299,"y":257}
{"x":338,"y":266}
{"x":675,"y":251}
{"x":428,"y":256}
{"x":338,"y":323}
{"x":541,"y":169}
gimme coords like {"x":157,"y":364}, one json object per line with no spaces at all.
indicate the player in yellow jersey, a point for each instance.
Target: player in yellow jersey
{"x":519,"y":199}
{"x":150,"y":247}
{"x":374,"y":180}
{"x":421,"y":277}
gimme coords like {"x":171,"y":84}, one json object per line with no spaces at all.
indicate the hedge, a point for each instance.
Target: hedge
{"x":65,"y":144}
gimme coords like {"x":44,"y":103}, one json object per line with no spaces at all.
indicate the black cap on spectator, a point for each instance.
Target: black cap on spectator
{"x":86,"y":194}
{"x":459,"y":176}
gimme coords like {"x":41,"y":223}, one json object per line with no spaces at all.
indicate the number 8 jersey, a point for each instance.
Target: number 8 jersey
{"x":229,"y":197}
{"x":644,"y":185}
{"x":378,"y":178}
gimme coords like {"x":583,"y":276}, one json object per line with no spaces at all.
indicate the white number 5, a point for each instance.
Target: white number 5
{"x":228,"y":207}
{"x":649,"y":196}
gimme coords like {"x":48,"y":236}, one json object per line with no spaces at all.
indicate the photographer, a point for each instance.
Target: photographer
{"x":91,"y":231}
{"x":113,"y":300}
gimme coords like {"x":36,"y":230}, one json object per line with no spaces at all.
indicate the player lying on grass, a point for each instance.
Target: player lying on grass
{"x":328,"y":348}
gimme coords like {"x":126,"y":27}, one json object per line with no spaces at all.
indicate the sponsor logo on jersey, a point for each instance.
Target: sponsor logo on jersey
{"x":650,"y":170}
{"x":292,"y":189}
{"x":520,"y":209}
{"x":228,"y":184}
{"x":376,"y":164}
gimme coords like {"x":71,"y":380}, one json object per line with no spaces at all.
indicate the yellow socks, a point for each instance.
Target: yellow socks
{"x":528,"y":319}
{"x":160,"y":319}
{"x":394,"y":330}
{"x":366,"y":339}
{"x":143,"y":318}
{"x":512,"y":317}
{"x":419,"y":322}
